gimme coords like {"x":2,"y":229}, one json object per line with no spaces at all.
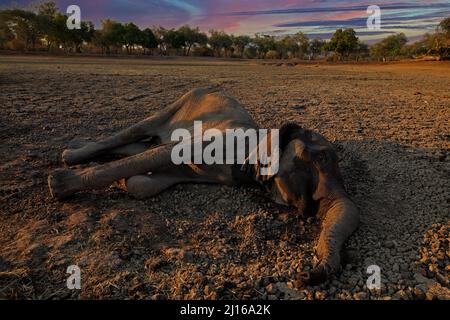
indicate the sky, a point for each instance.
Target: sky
{"x":316,"y":18}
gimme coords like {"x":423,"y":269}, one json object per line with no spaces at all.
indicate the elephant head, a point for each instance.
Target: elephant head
{"x":309,"y":179}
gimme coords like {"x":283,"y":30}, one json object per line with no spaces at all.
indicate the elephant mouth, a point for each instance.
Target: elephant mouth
{"x":303,"y":206}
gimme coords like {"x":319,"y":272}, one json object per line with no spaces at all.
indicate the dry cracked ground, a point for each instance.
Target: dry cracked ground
{"x":389,"y":123}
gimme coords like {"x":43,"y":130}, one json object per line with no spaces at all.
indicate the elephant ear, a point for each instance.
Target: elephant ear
{"x":287,"y":133}
{"x":252,"y":164}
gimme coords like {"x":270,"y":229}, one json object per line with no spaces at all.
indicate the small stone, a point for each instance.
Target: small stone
{"x":419,"y":292}
{"x":396,"y":267}
{"x":441,"y":279}
{"x":270,"y":288}
{"x":360,"y":296}
{"x":157,"y":296}
{"x":390,"y":244}
{"x":272,"y":297}
{"x":207,"y":290}
{"x":421,"y":279}
{"x":400,"y":295}
{"x":319,"y":295}
{"x":353,"y":281}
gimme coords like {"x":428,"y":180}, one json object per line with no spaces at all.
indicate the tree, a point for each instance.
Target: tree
{"x":174,"y":39}
{"x":6,"y":34}
{"x":240,"y":42}
{"x":287,"y":47}
{"x":303,"y":44}
{"x":26,"y":25}
{"x":192,"y":37}
{"x":390,"y":47}
{"x":57,"y":32}
{"x":444,"y":26}
{"x":132,"y":36}
{"x":160,"y":33}
{"x":362,"y":51}
{"x":49,"y":9}
{"x":111,"y":35}
{"x":264,"y":44}
{"x":343,"y":43}
{"x":77,"y":37}
{"x":441,"y":43}
{"x":148,"y":40}
{"x":316,"y":47}
{"x":419,"y":48}
{"x":437,"y":43}
{"x":220,"y":42}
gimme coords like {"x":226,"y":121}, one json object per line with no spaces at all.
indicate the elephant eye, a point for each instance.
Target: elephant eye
{"x":322,"y":158}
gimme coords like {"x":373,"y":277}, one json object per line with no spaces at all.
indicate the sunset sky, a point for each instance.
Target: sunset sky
{"x":316,"y":18}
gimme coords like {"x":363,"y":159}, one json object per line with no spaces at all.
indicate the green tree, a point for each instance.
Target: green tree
{"x":220,"y":42}
{"x":6,"y":34}
{"x":58,"y":33}
{"x":85,"y":34}
{"x":287,"y":47}
{"x":159,"y":33}
{"x":48,"y":8}
{"x":46,"y":13}
{"x":111,"y":36}
{"x":264,"y":44}
{"x":148,"y":40}
{"x":303,"y":44}
{"x":362,"y":51}
{"x":174,"y":40}
{"x":390,"y":47}
{"x":316,"y":47}
{"x":420,"y":47}
{"x":441,"y":40}
{"x":240,"y":42}
{"x":192,"y":37}
{"x":132,"y":36}
{"x":343,"y":43}
{"x":26,"y":25}
{"x":444,"y":26}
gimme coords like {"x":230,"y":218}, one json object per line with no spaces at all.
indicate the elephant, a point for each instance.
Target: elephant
{"x":307,"y":178}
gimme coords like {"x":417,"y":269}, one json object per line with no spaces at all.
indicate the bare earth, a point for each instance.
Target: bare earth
{"x":390,"y":124}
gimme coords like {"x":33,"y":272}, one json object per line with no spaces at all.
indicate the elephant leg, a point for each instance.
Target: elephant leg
{"x":131,"y":149}
{"x":149,"y":127}
{"x":127,"y":150}
{"x":146,"y":186}
{"x":65,"y":182}
{"x":144,"y":129}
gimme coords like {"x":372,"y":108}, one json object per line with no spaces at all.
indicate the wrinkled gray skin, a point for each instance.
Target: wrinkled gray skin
{"x":308,"y":176}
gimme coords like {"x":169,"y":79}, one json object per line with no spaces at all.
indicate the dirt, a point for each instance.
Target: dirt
{"x":389,"y":123}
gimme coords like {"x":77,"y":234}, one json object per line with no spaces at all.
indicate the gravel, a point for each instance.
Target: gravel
{"x":219,"y":242}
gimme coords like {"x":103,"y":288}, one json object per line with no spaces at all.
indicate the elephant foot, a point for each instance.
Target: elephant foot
{"x":71,"y":157}
{"x":62,"y":183}
{"x":314,"y":277}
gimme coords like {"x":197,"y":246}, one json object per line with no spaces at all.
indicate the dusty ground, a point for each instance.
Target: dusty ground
{"x":390,"y":124}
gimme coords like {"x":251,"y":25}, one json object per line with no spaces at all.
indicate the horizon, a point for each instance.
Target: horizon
{"x":315,"y":18}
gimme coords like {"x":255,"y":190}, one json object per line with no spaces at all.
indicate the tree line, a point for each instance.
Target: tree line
{"x":43,"y":28}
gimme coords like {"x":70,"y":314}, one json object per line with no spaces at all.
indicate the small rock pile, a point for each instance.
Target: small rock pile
{"x":433,"y":278}
{"x":435,"y":254}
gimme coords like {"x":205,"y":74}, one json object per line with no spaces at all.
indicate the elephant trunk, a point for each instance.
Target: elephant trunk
{"x":340,"y":220}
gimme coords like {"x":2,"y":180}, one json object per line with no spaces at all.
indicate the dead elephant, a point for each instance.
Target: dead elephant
{"x":308,"y":176}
